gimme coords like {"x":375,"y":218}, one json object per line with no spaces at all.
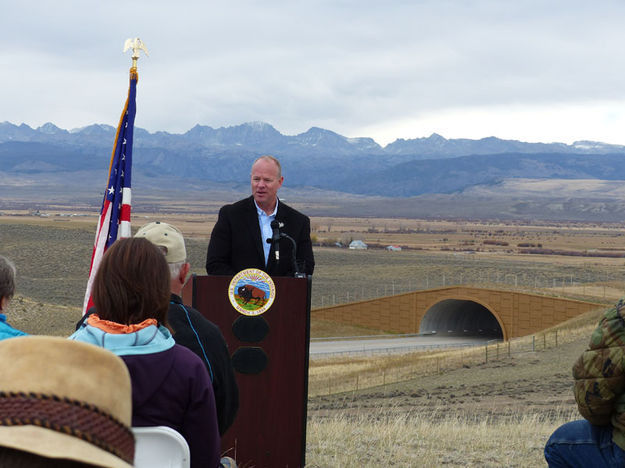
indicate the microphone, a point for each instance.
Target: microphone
{"x":275,"y":238}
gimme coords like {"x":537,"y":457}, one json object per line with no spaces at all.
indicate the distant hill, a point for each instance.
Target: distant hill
{"x":318,"y":159}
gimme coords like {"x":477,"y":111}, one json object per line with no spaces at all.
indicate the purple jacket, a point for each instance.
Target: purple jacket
{"x":172,"y":388}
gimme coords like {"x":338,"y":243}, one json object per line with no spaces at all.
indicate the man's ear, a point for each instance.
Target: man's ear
{"x":184,"y":271}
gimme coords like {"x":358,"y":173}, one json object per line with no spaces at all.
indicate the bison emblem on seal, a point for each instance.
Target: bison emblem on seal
{"x":249,"y":292}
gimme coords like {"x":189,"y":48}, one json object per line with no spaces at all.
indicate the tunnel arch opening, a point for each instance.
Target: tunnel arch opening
{"x":459,"y":317}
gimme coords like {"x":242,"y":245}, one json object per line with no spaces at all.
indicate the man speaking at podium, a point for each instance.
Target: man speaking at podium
{"x":239,"y":238}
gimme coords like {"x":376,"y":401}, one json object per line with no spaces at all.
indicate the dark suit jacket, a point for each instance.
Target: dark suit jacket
{"x":192,"y":330}
{"x":235,"y":242}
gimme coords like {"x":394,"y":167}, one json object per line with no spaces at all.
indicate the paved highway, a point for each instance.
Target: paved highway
{"x":386,"y":344}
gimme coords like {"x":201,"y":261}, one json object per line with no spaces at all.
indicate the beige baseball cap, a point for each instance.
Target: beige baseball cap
{"x":166,"y":236}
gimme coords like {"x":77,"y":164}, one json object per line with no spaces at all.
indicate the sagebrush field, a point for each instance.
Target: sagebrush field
{"x":53,"y":255}
{"x":496,"y":413}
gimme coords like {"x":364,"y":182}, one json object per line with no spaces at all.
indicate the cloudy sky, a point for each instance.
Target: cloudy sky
{"x":529,"y":70}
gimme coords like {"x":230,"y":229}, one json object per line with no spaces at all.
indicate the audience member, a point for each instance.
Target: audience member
{"x":7,"y":289}
{"x":170,"y":384}
{"x":599,"y":373}
{"x":190,"y":328}
{"x":63,"y":404}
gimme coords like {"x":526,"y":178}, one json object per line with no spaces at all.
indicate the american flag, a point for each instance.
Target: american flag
{"x":114,"y":219}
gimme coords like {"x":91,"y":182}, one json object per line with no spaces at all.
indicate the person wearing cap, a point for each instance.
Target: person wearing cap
{"x":191,"y":328}
{"x":239,"y":238}
{"x":63,"y":404}
{"x":170,"y":384}
{"x":7,"y":289}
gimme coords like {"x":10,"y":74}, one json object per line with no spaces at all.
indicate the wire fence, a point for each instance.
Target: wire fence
{"x":352,"y":373}
{"x":606,"y":288}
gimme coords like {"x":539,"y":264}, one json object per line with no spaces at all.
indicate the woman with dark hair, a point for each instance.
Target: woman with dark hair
{"x":170,"y":384}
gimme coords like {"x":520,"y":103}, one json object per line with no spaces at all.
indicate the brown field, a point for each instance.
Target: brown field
{"x":496,"y":413}
{"x":423,"y":234}
{"x":435,"y":253}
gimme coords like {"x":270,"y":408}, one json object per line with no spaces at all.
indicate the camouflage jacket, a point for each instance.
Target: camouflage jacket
{"x":600,"y":375}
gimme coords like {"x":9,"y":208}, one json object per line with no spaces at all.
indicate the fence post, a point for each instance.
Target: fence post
{"x":533,"y":343}
{"x":508,"y":348}
{"x":486,"y":353}
{"x":556,"y":338}
{"x":497,"y":350}
{"x":544,"y":341}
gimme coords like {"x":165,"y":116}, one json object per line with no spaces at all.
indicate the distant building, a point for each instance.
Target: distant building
{"x":39,"y":213}
{"x":393,"y":248}
{"x":357,"y":245}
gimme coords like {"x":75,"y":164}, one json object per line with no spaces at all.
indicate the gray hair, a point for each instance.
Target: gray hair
{"x":7,"y":278}
{"x":174,"y":268}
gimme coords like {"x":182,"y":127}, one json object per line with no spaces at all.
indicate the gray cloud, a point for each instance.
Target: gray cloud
{"x":344,"y":65}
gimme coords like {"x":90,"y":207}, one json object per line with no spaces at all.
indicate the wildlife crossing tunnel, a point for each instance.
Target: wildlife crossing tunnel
{"x":459,"y":310}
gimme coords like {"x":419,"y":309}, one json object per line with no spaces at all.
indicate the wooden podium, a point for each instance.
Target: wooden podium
{"x":270,"y":356}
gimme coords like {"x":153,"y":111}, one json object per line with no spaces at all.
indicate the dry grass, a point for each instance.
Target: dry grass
{"x":412,"y":439}
{"x":591,"y":292}
{"x":37,"y":318}
{"x":465,"y":413}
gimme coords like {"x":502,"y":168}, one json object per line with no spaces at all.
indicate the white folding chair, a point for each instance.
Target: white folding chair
{"x":160,"y":447}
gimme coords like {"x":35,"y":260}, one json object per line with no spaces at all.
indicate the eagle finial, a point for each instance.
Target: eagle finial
{"x":136,"y":45}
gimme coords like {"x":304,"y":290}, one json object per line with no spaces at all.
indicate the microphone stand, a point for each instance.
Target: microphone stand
{"x":297,"y":274}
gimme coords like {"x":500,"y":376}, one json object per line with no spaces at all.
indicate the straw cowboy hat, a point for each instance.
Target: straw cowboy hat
{"x":65,"y":399}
